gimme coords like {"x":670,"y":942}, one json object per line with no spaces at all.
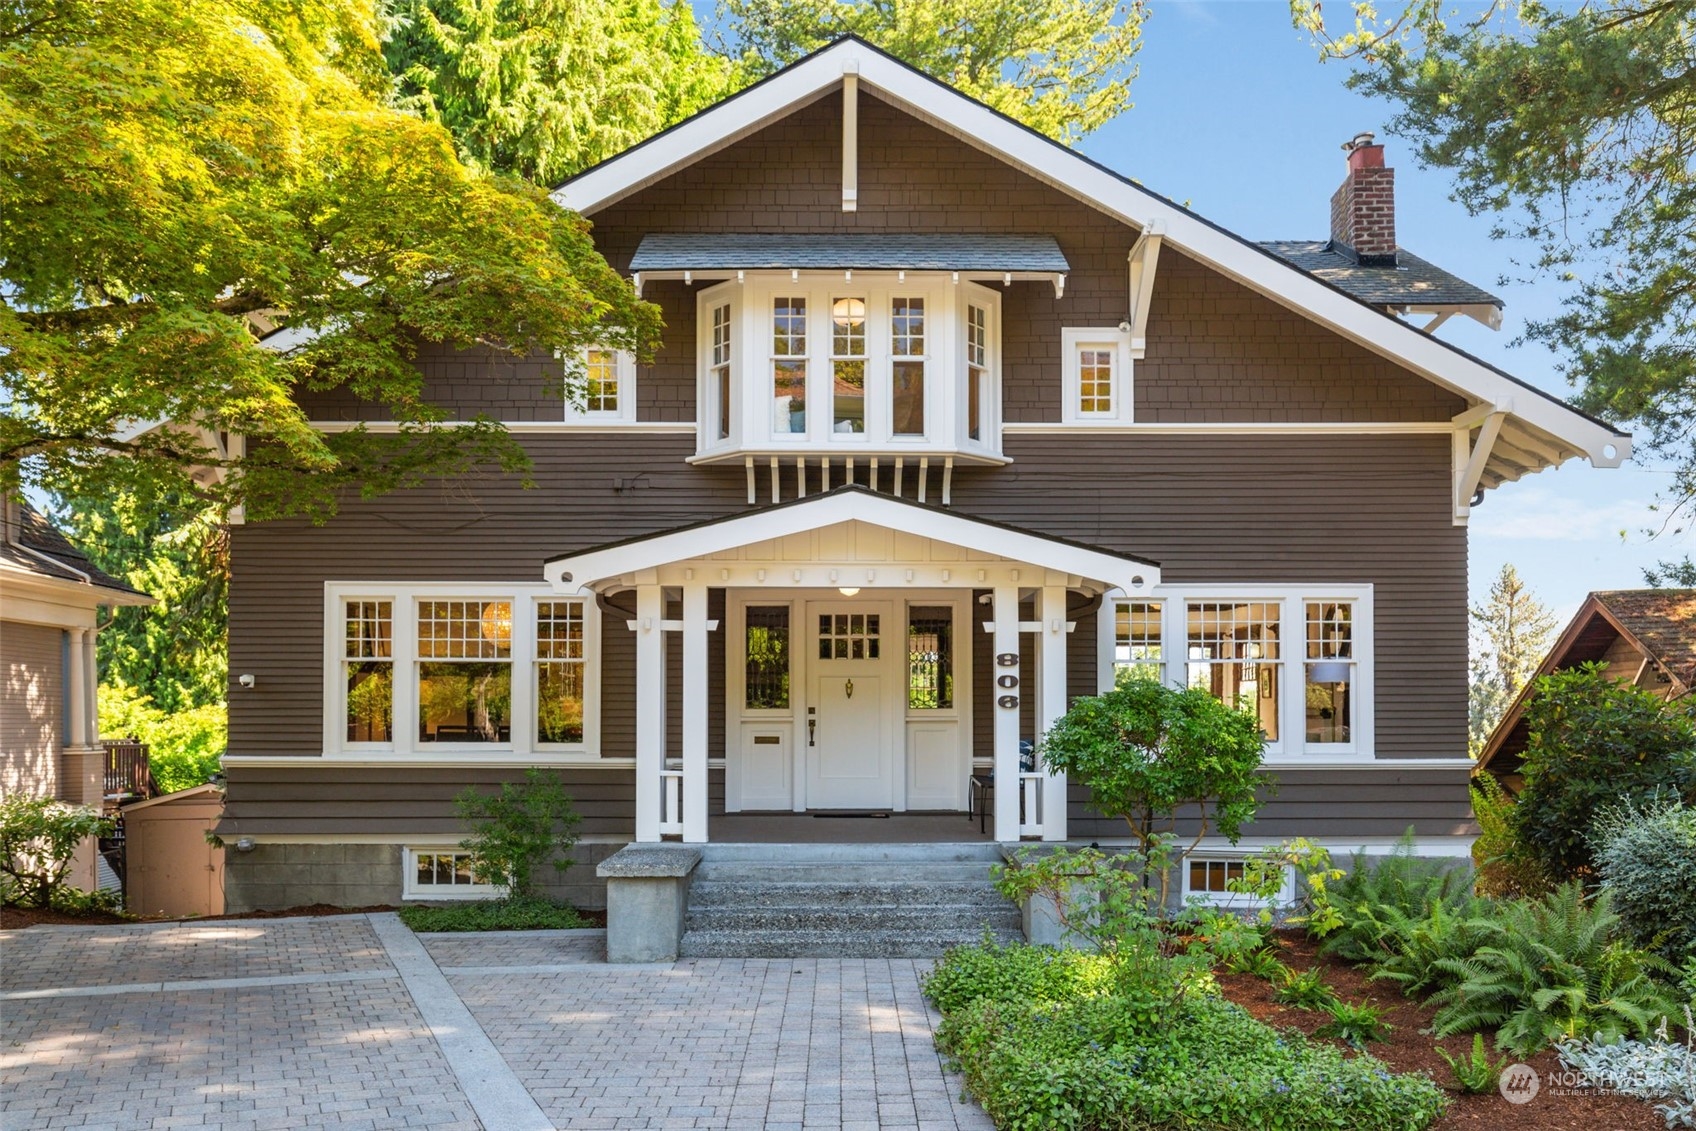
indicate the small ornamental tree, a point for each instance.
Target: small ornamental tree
{"x":39,"y":838}
{"x":1594,"y":742}
{"x":1159,"y":757}
{"x":514,"y":832}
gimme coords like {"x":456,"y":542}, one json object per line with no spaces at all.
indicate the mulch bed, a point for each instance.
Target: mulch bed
{"x":17,"y":918}
{"x":1408,"y":1049}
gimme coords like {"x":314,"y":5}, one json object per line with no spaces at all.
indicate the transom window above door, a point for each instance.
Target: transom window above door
{"x":853,"y":364}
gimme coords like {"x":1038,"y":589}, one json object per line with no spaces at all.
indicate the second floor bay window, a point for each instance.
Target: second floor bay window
{"x":849,"y":363}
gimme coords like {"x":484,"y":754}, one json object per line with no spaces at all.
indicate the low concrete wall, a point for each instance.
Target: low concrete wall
{"x":273,"y":877}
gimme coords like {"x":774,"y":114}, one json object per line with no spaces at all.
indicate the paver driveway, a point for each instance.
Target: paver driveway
{"x":348,"y":1022}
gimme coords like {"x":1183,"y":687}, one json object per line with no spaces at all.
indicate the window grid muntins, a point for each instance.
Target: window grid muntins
{"x":602,"y":386}
{"x":368,"y":670}
{"x":930,"y":657}
{"x":848,"y":366}
{"x":721,"y":366}
{"x":977,"y":368}
{"x":464,"y":630}
{"x":465,"y":671}
{"x":766,"y":658}
{"x":559,"y":671}
{"x":789,"y":365}
{"x":443,"y":869}
{"x":1233,"y":652}
{"x":1213,"y":877}
{"x":1095,"y":381}
{"x":907,"y":350}
{"x":849,"y":636}
{"x":1327,"y":692}
{"x":1137,"y":638}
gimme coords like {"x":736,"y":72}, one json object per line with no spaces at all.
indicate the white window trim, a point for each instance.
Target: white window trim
{"x":1292,"y":749}
{"x":1075,"y":338}
{"x":750,"y":298}
{"x":1231,"y":899}
{"x":625,"y":370}
{"x":405,"y":745}
{"x":411,"y":889}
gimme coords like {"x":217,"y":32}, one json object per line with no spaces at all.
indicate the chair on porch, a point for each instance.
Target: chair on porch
{"x":981,"y":787}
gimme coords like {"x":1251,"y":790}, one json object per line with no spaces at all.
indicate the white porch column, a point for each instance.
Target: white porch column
{"x":91,"y":679}
{"x":650,"y":708}
{"x":695,"y":712}
{"x":1051,"y":612}
{"x":1006,"y":636}
{"x":78,"y":689}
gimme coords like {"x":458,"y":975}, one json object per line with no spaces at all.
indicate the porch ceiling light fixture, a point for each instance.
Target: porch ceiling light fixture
{"x":849,"y":590}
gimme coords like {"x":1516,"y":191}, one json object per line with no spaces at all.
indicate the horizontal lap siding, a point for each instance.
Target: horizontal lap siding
{"x":32,"y":707}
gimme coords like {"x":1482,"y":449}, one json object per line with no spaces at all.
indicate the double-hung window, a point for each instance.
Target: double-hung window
{"x":1298,"y":660}
{"x":602,"y":387}
{"x":430,"y":670}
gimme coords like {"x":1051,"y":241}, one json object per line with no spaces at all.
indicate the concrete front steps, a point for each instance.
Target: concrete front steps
{"x":844,"y":901}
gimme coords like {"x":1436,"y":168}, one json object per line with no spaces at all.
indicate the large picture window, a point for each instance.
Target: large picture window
{"x":1298,"y":660}
{"x":427,"y":670}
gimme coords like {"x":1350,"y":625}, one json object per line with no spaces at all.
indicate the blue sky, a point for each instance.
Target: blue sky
{"x":1236,"y":116}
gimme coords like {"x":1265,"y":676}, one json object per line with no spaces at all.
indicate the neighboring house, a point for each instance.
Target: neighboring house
{"x":1646,"y":636}
{"x":53,"y":602}
{"x":948,"y":424}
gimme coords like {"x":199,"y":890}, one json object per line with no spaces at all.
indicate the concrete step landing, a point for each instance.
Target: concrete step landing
{"x":844,"y":901}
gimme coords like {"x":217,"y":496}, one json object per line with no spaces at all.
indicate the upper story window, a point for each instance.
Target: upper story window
{"x":849,"y":363}
{"x":1299,"y":661}
{"x":1095,"y":376}
{"x":607,"y":390}
{"x":423,"y":670}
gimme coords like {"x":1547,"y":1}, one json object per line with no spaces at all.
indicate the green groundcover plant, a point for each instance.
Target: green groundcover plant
{"x":1056,"y":1040}
{"x":516,"y":914}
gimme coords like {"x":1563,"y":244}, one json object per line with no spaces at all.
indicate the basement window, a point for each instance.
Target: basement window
{"x":442,"y":873}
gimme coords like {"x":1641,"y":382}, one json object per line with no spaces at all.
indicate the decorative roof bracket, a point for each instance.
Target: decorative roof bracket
{"x":1143,"y":259}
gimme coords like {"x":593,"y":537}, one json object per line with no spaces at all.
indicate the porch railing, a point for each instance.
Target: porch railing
{"x":1030,"y":804}
{"x":127,"y":773}
{"x":671,"y":802}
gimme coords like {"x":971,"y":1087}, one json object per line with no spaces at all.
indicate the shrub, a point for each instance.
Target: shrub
{"x":1354,"y":1025}
{"x":1013,"y":973}
{"x":1659,"y":1069}
{"x":1646,"y":856}
{"x":1476,"y":1074}
{"x":1263,"y":963}
{"x":1554,"y":970}
{"x":1147,"y":751}
{"x":1306,"y":990}
{"x":519,"y":913}
{"x":1092,"y":1063}
{"x":1594,"y":742}
{"x":1264,"y":874}
{"x":518,"y":829}
{"x":1379,"y":896}
{"x":39,"y":837}
{"x":184,"y":748}
{"x":1504,"y":867}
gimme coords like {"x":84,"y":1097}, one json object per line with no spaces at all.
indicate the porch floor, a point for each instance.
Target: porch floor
{"x":811,"y":828}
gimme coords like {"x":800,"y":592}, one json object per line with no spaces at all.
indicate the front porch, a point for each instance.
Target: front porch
{"x":865,"y":667}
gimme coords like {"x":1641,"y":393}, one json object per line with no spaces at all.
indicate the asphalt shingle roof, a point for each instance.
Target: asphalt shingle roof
{"x":1412,"y":282}
{"x":684,"y":251}
{"x":68,"y":563}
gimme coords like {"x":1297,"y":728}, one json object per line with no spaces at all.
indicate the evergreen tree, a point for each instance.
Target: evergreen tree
{"x":1512,"y":632}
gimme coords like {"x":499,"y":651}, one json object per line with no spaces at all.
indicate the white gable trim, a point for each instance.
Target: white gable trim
{"x":1046,"y":160}
{"x":598,"y":566}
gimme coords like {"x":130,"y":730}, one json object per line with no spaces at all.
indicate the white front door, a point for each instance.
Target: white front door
{"x":852,"y":677}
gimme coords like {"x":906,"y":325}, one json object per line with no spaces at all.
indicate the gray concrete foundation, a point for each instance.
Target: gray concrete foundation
{"x":647,"y":900}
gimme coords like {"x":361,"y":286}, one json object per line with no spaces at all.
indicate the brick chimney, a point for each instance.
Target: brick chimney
{"x":1363,"y":209}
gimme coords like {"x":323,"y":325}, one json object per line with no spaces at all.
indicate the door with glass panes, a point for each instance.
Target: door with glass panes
{"x":851,"y":709}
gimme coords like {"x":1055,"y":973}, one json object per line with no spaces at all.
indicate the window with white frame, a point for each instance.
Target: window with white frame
{"x":441,"y":873}
{"x":1208,"y":880}
{"x":477,"y":669}
{"x":1298,"y":660}
{"x":605,"y":389}
{"x":847,"y":362}
{"x":1096,"y":375}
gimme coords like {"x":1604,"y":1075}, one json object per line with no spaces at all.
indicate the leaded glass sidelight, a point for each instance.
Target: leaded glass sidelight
{"x":766,"y":675}
{"x":930,"y":657}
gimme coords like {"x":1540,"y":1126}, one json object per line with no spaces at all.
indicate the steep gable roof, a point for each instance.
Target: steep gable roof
{"x":1540,"y":430}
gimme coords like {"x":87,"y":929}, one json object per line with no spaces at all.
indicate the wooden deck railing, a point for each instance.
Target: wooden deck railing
{"x":127,"y":772}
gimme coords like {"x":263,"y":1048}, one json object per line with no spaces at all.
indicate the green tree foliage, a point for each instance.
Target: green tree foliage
{"x":180,"y":175}
{"x":517,"y":830}
{"x":1505,"y":867}
{"x":184,"y":746}
{"x":1572,"y":125}
{"x":39,"y":838}
{"x":174,"y":549}
{"x":1148,"y":751}
{"x":1512,"y":632}
{"x":545,"y":88}
{"x":1594,"y":742}
{"x":1063,"y":67}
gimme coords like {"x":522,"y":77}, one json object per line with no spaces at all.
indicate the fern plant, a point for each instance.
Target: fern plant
{"x":1476,"y":1074}
{"x":1414,"y":947}
{"x":1555,"y":970}
{"x":1380,"y":894}
{"x":1306,"y":990}
{"x":1262,"y":963}
{"x":1355,"y":1024}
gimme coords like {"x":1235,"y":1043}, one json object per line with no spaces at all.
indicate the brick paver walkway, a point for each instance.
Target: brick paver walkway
{"x":308,"y":1023}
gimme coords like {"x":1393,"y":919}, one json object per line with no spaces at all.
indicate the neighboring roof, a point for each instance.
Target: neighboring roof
{"x":55,"y":557}
{"x":1411,"y":282}
{"x":849,"y":503}
{"x":1542,"y":430}
{"x":209,"y":791}
{"x":671,"y":251}
{"x":1659,"y":623}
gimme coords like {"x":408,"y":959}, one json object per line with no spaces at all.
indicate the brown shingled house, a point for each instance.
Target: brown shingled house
{"x":1646,"y":636}
{"x":948,"y":425}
